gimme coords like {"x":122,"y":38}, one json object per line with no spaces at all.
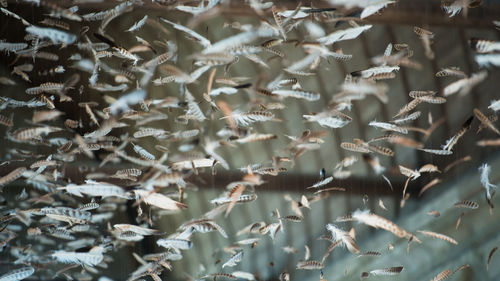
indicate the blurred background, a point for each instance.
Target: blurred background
{"x":477,"y":233}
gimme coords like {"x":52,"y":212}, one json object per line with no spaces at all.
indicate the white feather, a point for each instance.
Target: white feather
{"x":485,"y":170}
{"x":203,"y":41}
{"x":345,"y":34}
{"x":138,"y":24}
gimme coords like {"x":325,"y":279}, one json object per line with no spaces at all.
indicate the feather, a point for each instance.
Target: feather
{"x":485,"y":170}
{"x":384,"y":272}
{"x":329,"y":119}
{"x":297,"y":94}
{"x":388,"y":126}
{"x":345,"y":34}
{"x":485,"y":121}
{"x":442,"y":275}
{"x":136,"y":229}
{"x":466,"y":204}
{"x":437,"y":151}
{"x":12,"y":176}
{"x":91,"y":258}
{"x":376,"y":221}
{"x":438,"y":236}
{"x":494,"y":105}
{"x":54,"y":35}
{"x":429,"y":185}
{"x":234,"y":194}
{"x":202,"y":40}
{"x":485,"y":60}
{"x":245,"y":118}
{"x":408,"y":107}
{"x":491,"y":256}
{"x":309,"y":265}
{"x":411,"y":117}
{"x":321,"y":183}
{"x":346,"y":239}
{"x":355,"y":147}
{"x":236,"y":258}
{"x":159,"y":200}
{"x":143,"y":152}
{"x":138,"y":24}
{"x":18,"y":274}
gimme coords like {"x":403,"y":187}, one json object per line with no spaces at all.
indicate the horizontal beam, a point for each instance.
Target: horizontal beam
{"x":291,"y":182}
{"x":298,"y":183}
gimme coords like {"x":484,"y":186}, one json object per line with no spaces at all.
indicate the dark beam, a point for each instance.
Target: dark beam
{"x":205,"y":180}
{"x":299,"y":183}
